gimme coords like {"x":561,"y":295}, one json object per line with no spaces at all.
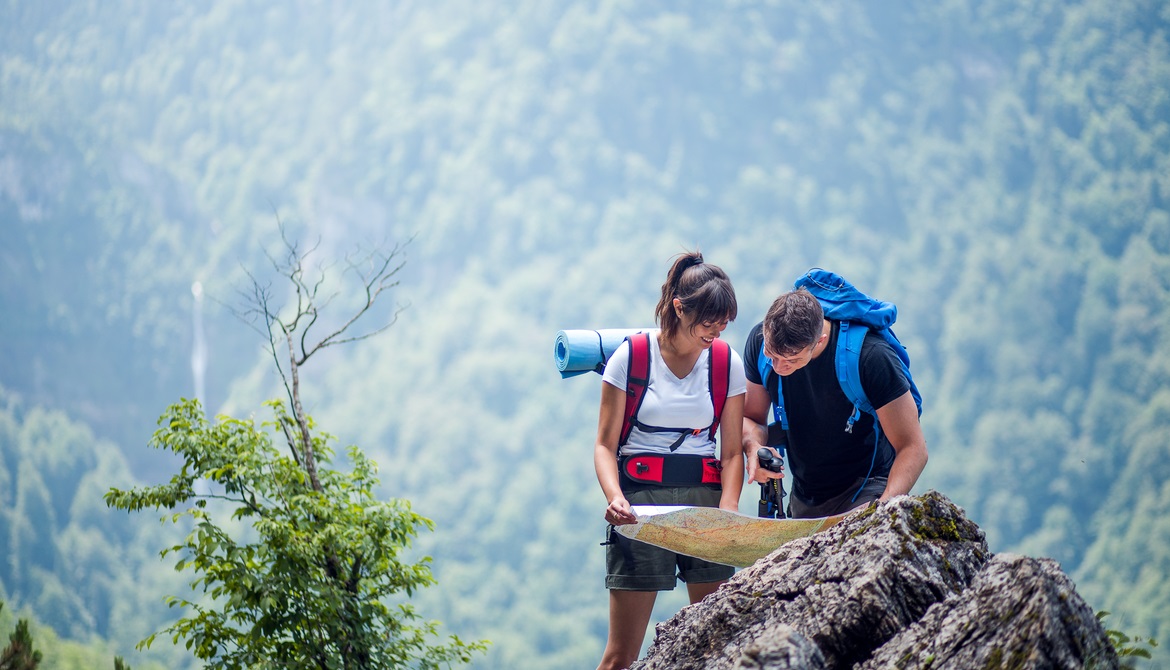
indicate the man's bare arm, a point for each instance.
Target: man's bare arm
{"x":899,"y":422}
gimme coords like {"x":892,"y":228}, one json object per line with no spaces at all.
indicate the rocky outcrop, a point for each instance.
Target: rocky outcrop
{"x":908,"y":583}
{"x":1020,"y":612}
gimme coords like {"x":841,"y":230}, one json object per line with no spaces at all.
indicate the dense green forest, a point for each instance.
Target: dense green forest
{"x":1000,"y":170}
{"x":63,"y":653}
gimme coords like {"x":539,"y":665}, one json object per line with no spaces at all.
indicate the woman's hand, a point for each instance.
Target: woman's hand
{"x":619,"y":512}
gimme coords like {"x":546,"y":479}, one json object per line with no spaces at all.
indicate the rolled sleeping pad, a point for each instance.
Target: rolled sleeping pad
{"x":580,"y":351}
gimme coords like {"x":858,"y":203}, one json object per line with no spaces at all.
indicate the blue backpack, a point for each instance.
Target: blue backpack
{"x":858,"y":314}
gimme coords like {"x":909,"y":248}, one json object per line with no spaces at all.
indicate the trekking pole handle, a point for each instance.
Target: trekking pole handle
{"x":771,"y":493}
{"x":768,"y":461}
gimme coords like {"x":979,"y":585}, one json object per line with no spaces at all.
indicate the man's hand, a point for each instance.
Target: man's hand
{"x":771,"y":466}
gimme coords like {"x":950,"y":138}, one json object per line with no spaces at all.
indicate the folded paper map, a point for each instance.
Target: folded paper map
{"x":717,"y":535}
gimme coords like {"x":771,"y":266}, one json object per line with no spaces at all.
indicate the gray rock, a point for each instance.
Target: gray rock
{"x":782,"y":649}
{"x":1020,"y":612}
{"x":866,"y":592}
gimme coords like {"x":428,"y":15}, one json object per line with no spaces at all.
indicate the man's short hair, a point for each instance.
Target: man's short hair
{"x":793,"y":323}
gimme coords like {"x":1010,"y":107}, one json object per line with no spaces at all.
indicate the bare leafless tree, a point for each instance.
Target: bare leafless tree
{"x":294,"y":337}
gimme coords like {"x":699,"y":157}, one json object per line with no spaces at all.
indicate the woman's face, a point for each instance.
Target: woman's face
{"x":704,"y":333}
{"x":708,"y":331}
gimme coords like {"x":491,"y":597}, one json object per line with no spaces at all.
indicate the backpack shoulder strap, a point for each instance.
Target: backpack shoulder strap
{"x":764,"y":365}
{"x":847,"y":362}
{"x":719,"y":378}
{"x":637,"y":379}
{"x":848,"y":365}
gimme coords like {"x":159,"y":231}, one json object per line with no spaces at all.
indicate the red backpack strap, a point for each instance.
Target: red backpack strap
{"x":637,"y":379}
{"x":719,"y":381}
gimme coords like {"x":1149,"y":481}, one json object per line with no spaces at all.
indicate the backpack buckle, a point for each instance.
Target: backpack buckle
{"x":852,"y":419}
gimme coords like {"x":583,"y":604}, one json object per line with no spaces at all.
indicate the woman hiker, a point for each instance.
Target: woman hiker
{"x":667,"y":452}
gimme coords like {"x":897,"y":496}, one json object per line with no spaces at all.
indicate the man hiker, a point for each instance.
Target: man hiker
{"x":845,"y":448}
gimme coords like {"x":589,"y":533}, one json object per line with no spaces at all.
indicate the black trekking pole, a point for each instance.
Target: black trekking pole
{"x":771,"y":492}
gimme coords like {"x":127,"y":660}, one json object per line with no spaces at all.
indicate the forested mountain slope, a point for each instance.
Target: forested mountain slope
{"x":1000,"y":170}
{"x":69,"y":562}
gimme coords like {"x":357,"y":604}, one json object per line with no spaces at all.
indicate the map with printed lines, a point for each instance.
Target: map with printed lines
{"x":717,"y":535}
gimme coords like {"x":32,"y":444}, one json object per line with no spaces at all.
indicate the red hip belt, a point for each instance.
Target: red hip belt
{"x":668,"y":470}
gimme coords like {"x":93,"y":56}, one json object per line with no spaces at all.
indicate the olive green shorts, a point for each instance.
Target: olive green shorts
{"x":637,"y":566}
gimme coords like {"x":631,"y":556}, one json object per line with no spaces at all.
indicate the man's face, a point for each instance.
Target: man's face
{"x":786,"y":365}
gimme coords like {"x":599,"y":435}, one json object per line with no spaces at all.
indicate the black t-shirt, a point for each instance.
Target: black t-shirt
{"x":824,"y":459}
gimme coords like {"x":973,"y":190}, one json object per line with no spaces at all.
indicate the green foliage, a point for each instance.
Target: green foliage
{"x":1128,"y":649}
{"x":54,"y":653}
{"x":312,"y":588}
{"x":72,"y":563}
{"x":19,"y":654}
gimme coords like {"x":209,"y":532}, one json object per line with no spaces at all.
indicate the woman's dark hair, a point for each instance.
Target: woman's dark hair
{"x":793,"y":323}
{"x":703,"y":290}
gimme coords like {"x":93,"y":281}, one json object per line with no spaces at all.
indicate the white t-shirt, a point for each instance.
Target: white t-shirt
{"x":671,"y":402}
